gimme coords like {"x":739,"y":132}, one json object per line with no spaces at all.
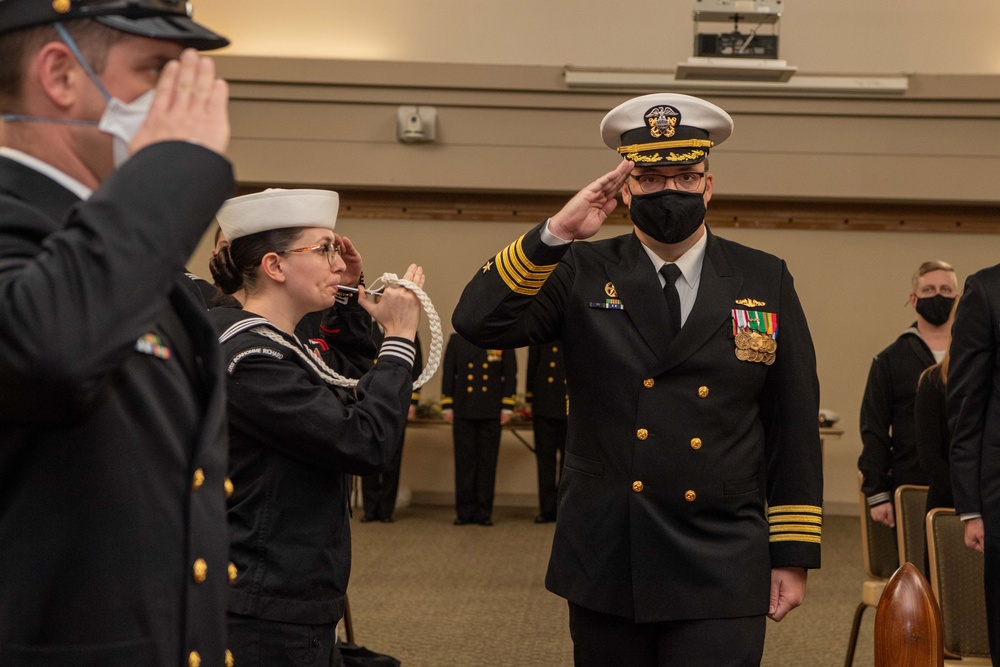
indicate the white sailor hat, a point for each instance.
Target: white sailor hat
{"x":665,"y":128}
{"x":278,"y":209}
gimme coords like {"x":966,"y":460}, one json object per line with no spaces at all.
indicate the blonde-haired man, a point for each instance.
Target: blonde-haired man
{"x":889,"y":453}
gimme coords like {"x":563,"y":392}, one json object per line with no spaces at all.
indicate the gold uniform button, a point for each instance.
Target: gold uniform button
{"x":551,"y":380}
{"x":486,"y":377}
{"x":702,"y":392}
{"x":555,"y":348}
{"x":552,"y":364}
{"x":642,"y":434}
{"x":230,"y":660}
{"x":471,"y":364}
{"x":232,"y":572}
{"x":198,"y":480}
{"x":648,"y":383}
{"x":469,"y":390}
{"x":194,"y":659}
{"x":486,"y":365}
{"x":485,"y":389}
{"x":637,"y":486}
{"x":695,"y":443}
{"x":200,"y":570}
{"x":229,"y":487}
{"x":690,"y":496}
{"x":471,"y":377}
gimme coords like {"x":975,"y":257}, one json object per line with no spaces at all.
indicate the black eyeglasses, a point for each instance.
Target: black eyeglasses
{"x":688,"y":181}
{"x":331,"y":250}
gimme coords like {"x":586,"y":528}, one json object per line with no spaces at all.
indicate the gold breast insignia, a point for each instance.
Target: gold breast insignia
{"x":610,"y":290}
{"x":750,"y":303}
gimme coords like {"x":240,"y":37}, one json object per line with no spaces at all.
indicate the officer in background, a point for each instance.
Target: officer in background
{"x":113,"y":541}
{"x":889,"y":455}
{"x":690,"y":500}
{"x":477,"y":397}
{"x":545,"y":394}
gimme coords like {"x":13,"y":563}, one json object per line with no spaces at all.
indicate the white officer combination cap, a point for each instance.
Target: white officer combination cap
{"x":665,"y":128}
{"x":278,"y":209}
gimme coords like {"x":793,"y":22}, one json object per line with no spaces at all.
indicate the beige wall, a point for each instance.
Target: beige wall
{"x":862,"y":36}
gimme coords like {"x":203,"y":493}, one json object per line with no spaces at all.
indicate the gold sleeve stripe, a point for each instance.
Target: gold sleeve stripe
{"x":797,"y":529}
{"x":796,"y":538}
{"x":804,"y":509}
{"x":447,"y":400}
{"x":796,"y":518}
{"x":520,"y":274}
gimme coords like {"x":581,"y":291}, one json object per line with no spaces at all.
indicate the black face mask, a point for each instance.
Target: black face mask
{"x":668,"y":216}
{"x":935,"y":309}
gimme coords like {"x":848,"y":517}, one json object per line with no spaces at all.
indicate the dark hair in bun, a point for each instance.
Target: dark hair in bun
{"x":235,"y":266}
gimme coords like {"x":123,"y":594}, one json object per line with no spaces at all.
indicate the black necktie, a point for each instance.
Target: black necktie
{"x":671,"y":273}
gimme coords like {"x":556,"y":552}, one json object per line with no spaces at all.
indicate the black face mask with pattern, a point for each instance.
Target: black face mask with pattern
{"x":935,"y":309}
{"x":668,"y":216}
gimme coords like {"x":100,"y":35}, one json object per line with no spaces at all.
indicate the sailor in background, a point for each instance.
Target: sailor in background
{"x":545,"y":395}
{"x":379,"y":491}
{"x":477,"y":397}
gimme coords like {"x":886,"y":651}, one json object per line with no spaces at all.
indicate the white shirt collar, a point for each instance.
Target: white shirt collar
{"x":60,"y":177}
{"x":689,"y":263}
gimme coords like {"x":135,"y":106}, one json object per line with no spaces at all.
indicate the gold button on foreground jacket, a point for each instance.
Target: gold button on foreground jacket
{"x":642,"y":434}
{"x":637,"y":486}
{"x":200,"y":570}
{"x":229,"y":487}
{"x":690,"y":496}
{"x":695,"y":443}
{"x":232,"y":572}
{"x":198,"y":480}
{"x":230,"y":661}
{"x":702,"y":392}
{"x":194,"y":659}
{"x":648,"y":383}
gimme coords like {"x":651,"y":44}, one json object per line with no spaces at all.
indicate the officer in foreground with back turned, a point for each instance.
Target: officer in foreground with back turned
{"x":113,"y":542}
{"x":689,"y":506}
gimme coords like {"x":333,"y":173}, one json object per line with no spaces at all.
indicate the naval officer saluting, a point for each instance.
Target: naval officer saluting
{"x":690,"y":497}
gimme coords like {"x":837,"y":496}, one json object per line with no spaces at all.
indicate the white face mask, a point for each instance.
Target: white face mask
{"x":122,"y":121}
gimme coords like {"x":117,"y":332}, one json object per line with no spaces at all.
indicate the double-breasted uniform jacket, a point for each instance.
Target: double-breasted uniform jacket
{"x":974,"y":399}
{"x":545,"y":381}
{"x":294,"y":440}
{"x":113,"y":547}
{"x":689,"y":473}
{"x":888,"y":427}
{"x":477,"y":383}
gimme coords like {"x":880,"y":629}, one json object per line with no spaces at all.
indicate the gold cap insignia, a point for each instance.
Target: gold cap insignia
{"x":610,"y":290}
{"x":662,"y":121}
{"x":61,"y":6}
{"x":750,"y":303}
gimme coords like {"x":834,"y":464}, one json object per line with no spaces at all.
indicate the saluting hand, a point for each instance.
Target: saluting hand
{"x":190,"y":104}
{"x":584,"y":214}
{"x":352,"y":259}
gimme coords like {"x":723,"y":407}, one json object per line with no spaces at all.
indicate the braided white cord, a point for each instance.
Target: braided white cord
{"x":433,"y":321}
{"x":333,"y":377}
